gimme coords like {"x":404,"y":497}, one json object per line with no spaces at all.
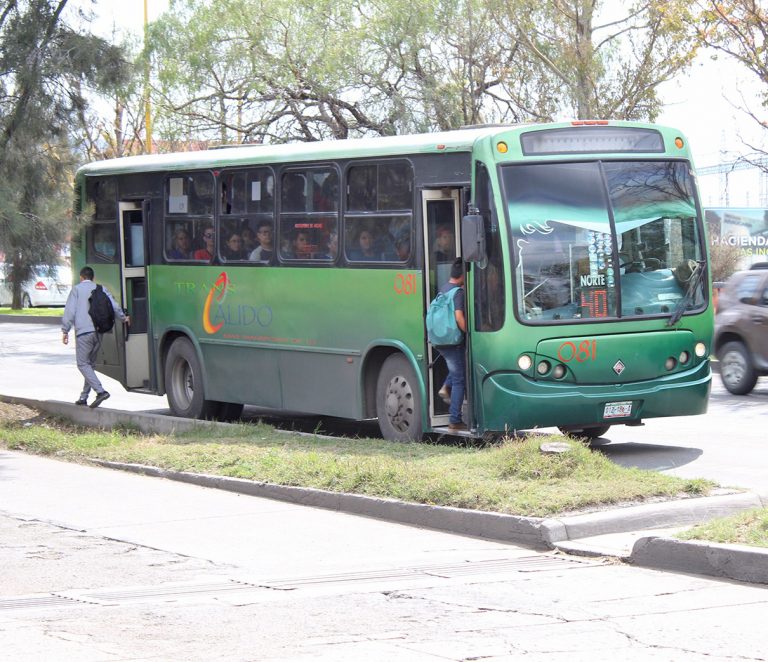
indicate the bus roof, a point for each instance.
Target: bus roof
{"x":460,"y":140}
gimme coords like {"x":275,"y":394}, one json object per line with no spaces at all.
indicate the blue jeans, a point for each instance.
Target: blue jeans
{"x":454,"y":358}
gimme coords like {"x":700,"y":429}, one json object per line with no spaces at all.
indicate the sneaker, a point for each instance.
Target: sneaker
{"x":100,"y":397}
{"x":445,"y":395}
{"x":82,"y":402}
{"x":452,"y":426}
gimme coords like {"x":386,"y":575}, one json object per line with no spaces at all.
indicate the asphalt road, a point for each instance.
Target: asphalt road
{"x":729,"y":444}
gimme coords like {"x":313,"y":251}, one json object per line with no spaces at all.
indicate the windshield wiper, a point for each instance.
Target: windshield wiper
{"x":697,"y":275}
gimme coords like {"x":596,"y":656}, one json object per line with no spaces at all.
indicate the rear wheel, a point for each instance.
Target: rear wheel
{"x":184,"y":383}
{"x":586,"y":433}
{"x":736,"y":369}
{"x":398,"y":401}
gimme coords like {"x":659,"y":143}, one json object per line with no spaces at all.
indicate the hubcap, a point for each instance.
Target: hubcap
{"x":733,"y":367}
{"x":399,"y":403}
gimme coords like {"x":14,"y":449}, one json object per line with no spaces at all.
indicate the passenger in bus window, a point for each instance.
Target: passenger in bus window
{"x":209,"y":243}
{"x":403,"y":245}
{"x":333,"y":246}
{"x":300,"y":247}
{"x":233,"y":247}
{"x":445,"y":247}
{"x":250,"y":243}
{"x":182,"y":245}
{"x":293,"y":198}
{"x":263,"y":252}
{"x":364,"y":251}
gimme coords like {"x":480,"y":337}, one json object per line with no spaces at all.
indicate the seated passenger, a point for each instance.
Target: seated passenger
{"x":300,"y":247}
{"x":233,"y":247}
{"x":364,"y":252}
{"x":250,"y":243}
{"x":263,"y":252}
{"x":209,"y":240}
{"x":182,"y":246}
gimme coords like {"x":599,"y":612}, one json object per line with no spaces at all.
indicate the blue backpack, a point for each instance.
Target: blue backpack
{"x":442,"y":329}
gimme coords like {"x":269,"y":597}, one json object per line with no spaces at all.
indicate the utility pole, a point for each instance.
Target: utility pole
{"x":147,"y":102}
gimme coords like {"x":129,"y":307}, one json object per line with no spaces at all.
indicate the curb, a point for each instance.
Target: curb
{"x":31,"y":319}
{"x":739,"y":562}
{"x":729,"y":561}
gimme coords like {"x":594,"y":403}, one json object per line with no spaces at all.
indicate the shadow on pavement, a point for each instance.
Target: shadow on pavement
{"x":648,"y":456}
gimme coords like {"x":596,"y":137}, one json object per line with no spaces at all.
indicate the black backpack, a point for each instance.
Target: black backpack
{"x":101,"y":311}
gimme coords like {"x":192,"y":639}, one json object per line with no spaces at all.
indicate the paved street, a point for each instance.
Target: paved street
{"x":99,"y":565}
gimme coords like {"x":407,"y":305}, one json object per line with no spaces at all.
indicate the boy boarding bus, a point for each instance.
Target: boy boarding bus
{"x":587,"y":296}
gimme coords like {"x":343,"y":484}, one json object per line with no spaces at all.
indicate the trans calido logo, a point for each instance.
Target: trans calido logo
{"x":218,"y":291}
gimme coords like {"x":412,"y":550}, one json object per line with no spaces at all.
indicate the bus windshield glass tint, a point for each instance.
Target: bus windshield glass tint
{"x":603,"y":239}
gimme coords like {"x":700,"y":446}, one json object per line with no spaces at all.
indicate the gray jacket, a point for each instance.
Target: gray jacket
{"x":76,"y":310}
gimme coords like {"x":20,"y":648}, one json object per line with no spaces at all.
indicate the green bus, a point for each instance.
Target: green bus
{"x":296,"y":277}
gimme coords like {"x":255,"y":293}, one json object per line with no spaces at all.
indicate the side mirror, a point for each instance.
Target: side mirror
{"x":472,"y":238}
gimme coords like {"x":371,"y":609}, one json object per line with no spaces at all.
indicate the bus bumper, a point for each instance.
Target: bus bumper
{"x":512,"y":401}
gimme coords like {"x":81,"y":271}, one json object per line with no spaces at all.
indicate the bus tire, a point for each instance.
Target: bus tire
{"x":398,"y":401}
{"x":184,"y":383}
{"x":586,"y":433}
{"x":736,"y":369}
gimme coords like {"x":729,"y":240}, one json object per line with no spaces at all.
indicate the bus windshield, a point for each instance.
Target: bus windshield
{"x":603,"y":239}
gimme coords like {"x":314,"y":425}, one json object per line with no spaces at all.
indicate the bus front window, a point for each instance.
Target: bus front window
{"x":603,"y":239}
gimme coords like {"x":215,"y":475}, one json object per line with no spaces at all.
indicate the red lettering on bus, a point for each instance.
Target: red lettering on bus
{"x":405,"y":283}
{"x":585,"y":351}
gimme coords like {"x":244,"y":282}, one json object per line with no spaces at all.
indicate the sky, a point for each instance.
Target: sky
{"x":701,"y":103}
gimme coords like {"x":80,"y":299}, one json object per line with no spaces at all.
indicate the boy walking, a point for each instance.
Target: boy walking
{"x":88,"y":340}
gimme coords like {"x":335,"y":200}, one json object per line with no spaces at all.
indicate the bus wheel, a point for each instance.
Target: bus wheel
{"x":184,"y":383}
{"x":736,"y":369}
{"x":586,"y":433}
{"x":398,"y":402}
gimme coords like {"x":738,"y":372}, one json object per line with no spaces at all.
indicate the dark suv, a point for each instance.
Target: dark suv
{"x":741,"y":329}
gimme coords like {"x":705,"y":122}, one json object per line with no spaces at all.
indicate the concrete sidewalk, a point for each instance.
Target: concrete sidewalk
{"x":638,"y":535}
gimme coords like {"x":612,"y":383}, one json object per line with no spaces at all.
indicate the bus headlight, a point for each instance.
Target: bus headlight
{"x":700,"y":349}
{"x":683,"y":358}
{"x":559,"y":371}
{"x":543,"y":367}
{"x":670,"y":363}
{"x":524,"y":362}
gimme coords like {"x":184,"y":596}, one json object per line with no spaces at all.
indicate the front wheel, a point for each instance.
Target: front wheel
{"x":586,"y":433}
{"x":184,"y":383}
{"x":736,"y":369}
{"x":398,"y":401}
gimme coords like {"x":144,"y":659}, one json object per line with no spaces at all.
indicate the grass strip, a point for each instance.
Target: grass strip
{"x":33,"y":312}
{"x":747,"y":528}
{"x":512,"y":476}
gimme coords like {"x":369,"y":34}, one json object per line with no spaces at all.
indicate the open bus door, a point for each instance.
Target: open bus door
{"x":441,"y":209}
{"x":133,"y":342}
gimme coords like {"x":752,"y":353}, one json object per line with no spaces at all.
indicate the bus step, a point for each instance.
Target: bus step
{"x":443,"y":429}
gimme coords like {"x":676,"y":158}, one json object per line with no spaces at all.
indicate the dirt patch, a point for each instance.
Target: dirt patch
{"x":11,"y":414}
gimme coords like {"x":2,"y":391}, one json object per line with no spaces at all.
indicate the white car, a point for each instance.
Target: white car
{"x":41,"y":289}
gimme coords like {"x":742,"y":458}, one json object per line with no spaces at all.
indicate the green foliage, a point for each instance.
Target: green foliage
{"x":46,"y":68}
{"x":747,"y":528}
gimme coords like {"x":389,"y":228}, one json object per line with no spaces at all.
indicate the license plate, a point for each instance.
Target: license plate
{"x":617,"y":410}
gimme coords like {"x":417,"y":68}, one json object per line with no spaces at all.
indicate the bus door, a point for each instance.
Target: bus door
{"x":134,"y":342}
{"x":441,"y":210}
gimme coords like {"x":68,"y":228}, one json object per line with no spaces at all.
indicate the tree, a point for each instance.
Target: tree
{"x":46,"y":70}
{"x":739,"y":28}
{"x":607,"y":60}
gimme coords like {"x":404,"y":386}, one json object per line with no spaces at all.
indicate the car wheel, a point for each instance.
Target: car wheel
{"x":398,"y":401}
{"x":26,"y":302}
{"x":736,"y":369}
{"x":586,"y":433}
{"x":184,"y":383}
